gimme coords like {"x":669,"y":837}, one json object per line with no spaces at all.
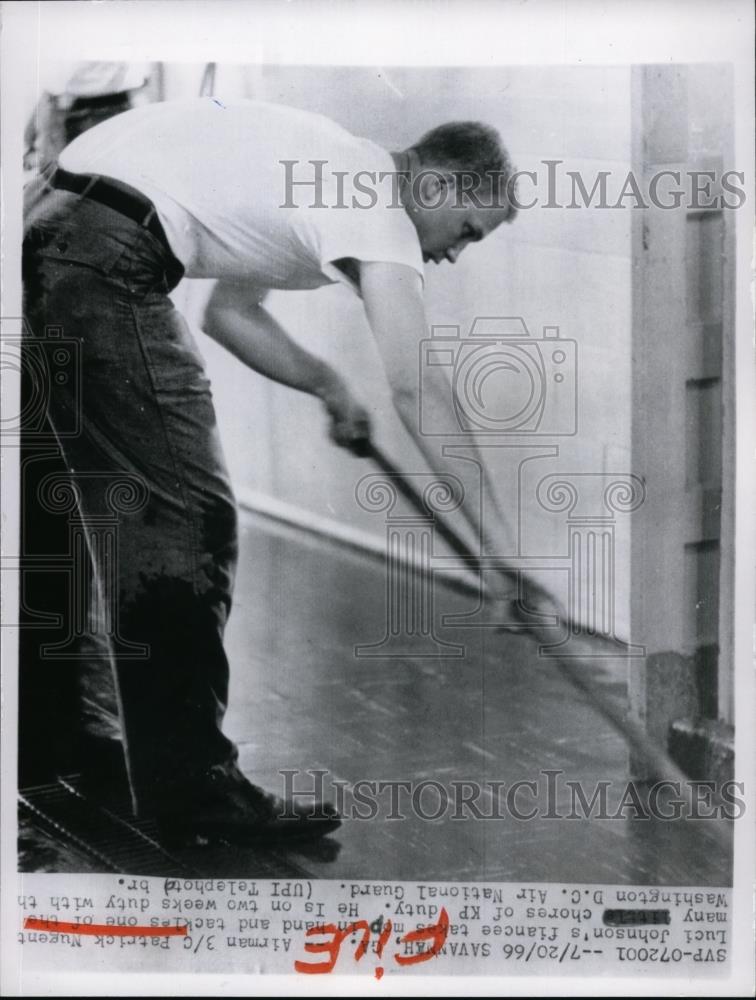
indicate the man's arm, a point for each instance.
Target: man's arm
{"x":392,"y":294}
{"x":236,"y":318}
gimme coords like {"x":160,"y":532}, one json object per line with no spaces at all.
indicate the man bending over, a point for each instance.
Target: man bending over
{"x":204,"y":189}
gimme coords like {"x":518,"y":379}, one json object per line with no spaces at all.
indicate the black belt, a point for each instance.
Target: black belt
{"x":100,"y":101}
{"x":113,"y":194}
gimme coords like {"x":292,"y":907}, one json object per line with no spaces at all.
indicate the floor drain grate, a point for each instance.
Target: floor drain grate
{"x":116,"y":841}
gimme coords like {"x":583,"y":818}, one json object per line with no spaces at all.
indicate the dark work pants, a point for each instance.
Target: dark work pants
{"x":136,"y":425}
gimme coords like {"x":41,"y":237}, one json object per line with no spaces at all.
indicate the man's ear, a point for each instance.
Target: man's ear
{"x":435,"y":187}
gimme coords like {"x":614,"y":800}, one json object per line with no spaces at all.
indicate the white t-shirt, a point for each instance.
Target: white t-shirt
{"x":214,"y":172}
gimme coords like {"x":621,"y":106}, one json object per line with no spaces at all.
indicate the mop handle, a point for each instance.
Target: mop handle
{"x":455,"y":541}
{"x":573,"y":669}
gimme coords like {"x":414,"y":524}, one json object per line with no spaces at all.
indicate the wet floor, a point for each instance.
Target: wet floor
{"x":446,"y":736}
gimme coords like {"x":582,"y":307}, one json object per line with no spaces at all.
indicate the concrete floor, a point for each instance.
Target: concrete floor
{"x":301,"y":700}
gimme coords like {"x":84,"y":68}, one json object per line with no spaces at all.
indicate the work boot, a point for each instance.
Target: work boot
{"x":225,"y":806}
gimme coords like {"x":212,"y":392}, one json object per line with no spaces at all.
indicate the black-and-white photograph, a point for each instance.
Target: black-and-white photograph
{"x":375,"y":444}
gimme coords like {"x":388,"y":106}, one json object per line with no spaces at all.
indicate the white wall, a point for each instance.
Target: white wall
{"x":551,"y":266}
